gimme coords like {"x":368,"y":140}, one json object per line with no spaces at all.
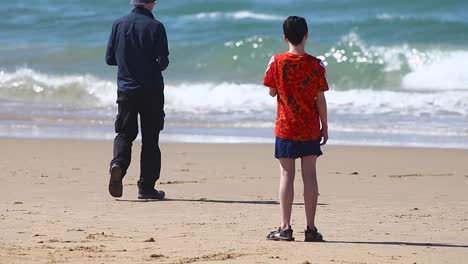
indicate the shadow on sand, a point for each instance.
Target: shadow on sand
{"x":204,"y":200}
{"x":386,"y":243}
{"x":414,"y":244}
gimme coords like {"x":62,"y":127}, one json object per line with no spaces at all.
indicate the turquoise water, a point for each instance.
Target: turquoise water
{"x":397,"y":69}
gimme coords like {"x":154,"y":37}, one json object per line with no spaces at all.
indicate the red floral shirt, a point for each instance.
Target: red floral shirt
{"x":298,"y":78}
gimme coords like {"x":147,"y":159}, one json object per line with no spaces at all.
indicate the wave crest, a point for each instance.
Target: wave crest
{"x":357,"y":64}
{"x":27,"y":84}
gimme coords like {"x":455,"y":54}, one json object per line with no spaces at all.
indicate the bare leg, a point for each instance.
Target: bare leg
{"x":309,"y":176}
{"x":286,"y":190}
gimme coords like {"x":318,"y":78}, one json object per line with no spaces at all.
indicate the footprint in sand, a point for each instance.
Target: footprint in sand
{"x":178,"y":182}
{"x":419,"y":175}
{"x":156,"y":256}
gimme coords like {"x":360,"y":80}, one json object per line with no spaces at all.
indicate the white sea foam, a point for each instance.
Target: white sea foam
{"x":420,"y":17}
{"x":399,"y":102}
{"x":220,"y":98}
{"x":252,"y":99}
{"x":238,"y":15}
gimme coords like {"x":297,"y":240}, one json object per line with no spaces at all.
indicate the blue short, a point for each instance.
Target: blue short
{"x":286,"y":148}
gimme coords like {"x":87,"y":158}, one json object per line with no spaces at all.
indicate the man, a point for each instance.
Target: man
{"x":138,"y":46}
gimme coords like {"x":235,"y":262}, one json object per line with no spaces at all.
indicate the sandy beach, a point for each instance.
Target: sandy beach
{"x":377,"y":205}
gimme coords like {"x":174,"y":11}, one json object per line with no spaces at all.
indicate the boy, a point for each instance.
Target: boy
{"x":298,"y":81}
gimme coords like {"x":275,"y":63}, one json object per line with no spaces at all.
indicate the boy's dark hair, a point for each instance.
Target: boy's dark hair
{"x":294,"y":29}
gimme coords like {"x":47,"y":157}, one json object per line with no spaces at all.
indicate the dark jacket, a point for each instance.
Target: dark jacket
{"x":138,"y":46}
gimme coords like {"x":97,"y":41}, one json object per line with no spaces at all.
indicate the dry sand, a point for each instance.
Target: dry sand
{"x":377,"y":205}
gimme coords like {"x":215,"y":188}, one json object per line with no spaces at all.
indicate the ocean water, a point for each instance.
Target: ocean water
{"x":397,"y":69}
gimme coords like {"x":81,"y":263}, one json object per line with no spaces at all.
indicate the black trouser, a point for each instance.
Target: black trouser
{"x":150,"y":108}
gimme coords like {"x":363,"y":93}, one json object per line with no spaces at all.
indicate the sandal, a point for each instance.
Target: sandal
{"x":281,"y":235}
{"x":312,"y":235}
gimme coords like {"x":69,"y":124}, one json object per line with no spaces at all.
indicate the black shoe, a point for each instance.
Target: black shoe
{"x":115,"y":182}
{"x":312,"y":235}
{"x":151,"y":195}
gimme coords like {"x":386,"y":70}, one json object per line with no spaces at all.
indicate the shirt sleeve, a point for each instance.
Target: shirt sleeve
{"x":162,"y":48}
{"x":110,"y":51}
{"x":269,"y":79}
{"x":322,"y":78}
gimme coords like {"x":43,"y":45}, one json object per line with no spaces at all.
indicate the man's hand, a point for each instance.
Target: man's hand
{"x":324,"y":139}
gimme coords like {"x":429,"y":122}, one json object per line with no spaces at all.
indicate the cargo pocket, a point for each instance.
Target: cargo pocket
{"x":123,"y":112}
{"x":119,"y":120}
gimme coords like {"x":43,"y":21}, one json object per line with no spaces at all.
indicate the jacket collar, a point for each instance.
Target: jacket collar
{"x":143,"y":11}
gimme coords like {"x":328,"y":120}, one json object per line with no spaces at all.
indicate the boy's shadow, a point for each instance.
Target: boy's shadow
{"x":270,"y":202}
{"x":396,"y":243}
{"x":204,"y":200}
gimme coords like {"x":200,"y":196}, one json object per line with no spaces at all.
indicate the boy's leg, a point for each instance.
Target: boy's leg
{"x":286,"y":190}
{"x":309,"y":176}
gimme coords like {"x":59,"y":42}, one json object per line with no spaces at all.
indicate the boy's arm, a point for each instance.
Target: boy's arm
{"x":269,"y":78}
{"x":322,"y":109}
